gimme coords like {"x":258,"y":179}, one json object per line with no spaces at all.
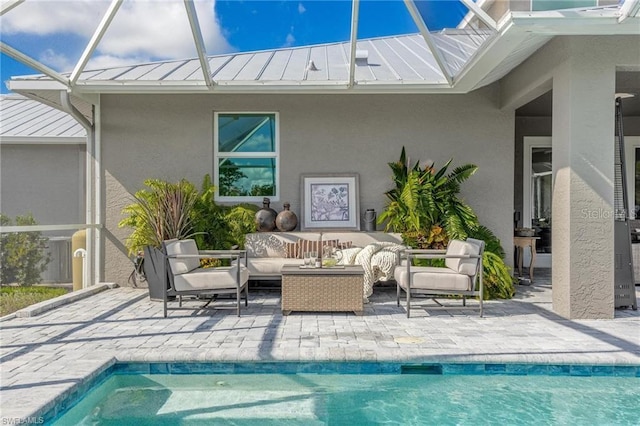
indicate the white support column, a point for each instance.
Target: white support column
{"x":583,"y":170}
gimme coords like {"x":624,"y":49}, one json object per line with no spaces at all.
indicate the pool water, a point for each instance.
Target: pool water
{"x":357,"y":399}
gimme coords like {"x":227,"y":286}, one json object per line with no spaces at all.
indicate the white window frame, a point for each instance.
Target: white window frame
{"x":630,"y":145}
{"x":216,"y":156}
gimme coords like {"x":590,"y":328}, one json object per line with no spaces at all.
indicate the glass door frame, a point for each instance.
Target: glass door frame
{"x":543,"y":260}
{"x":630,"y":145}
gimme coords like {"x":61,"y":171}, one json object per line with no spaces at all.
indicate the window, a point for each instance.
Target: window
{"x":246,"y":156}
{"x":538,"y":5}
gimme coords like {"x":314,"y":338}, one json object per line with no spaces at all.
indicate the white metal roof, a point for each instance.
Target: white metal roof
{"x":404,"y":58}
{"x":449,"y":61}
{"x":24,"y":120}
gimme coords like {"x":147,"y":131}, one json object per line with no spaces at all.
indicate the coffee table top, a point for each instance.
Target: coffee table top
{"x":336,"y":270}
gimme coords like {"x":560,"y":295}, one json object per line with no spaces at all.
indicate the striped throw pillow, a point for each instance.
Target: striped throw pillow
{"x":345,"y":245}
{"x":313,"y":245}
{"x":291,"y":250}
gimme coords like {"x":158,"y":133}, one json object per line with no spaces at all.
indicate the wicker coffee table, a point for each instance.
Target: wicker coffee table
{"x":322,"y":289}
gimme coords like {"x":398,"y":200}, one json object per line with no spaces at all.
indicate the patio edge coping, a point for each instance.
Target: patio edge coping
{"x":65,"y":299}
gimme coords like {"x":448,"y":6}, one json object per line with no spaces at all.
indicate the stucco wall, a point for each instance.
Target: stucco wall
{"x":170,"y":137}
{"x":46,"y":180}
{"x":541,"y":126}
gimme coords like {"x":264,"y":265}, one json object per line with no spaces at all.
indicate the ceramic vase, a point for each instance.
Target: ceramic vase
{"x":286,"y":219}
{"x":266,"y":217}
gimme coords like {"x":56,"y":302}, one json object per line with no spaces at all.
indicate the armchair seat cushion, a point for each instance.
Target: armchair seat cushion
{"x":210,"y":278}
{"x":433,"y":278}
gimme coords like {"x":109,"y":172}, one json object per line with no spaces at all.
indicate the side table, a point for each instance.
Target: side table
{"x":521,"y":243}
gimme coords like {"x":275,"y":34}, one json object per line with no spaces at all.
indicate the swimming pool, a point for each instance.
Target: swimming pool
{"x":360,"y":393}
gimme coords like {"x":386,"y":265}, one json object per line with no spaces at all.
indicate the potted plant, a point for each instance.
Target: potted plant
{"x":160,"y":212}
{"x":166,"y":210}
{"x":425,"y":207}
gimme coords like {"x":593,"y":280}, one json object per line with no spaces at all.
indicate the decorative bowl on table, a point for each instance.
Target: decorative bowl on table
{"x":525,"y":232}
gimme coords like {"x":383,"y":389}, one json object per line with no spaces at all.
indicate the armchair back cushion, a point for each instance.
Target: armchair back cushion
{"x":462,"y":266}
{"x":182,"y":266}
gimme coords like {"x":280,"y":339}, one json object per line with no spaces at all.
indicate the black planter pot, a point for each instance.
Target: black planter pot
{"x":155,"y":270}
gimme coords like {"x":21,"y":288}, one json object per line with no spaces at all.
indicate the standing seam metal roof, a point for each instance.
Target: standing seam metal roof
{"x":21,"y":117}
{"x":390,"y":59}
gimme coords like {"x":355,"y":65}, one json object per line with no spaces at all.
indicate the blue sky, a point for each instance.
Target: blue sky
{"x":55,"y":33}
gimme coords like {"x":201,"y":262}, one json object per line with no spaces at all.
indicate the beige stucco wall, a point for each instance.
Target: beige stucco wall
{"x":170,"y":137}
{"x":46,"y":180}
{"x":582,"y":73}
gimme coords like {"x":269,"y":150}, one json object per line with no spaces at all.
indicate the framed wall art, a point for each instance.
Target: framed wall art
{"x":330,"y":201}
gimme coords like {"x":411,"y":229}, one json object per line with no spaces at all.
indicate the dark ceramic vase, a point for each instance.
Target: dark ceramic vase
{"x":266,"y":217}
{"x":286,"y":219}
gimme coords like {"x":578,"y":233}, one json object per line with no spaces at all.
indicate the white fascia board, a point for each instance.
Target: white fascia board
{"x":39,"y":84}
{"x":576,"y":22}
{"x":288,"y":87}
{"x":488,"y":57}
{"x":43,"y":140}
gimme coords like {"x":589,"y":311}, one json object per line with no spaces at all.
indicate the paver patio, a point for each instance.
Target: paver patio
{"x":44,"y":357}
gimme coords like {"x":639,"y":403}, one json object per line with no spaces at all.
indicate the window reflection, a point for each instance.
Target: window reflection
{"x":247,"y":155}
{"x":243,"y":177}
{"x":637,"y":178}
{"x":541,"y":187}
{"x":246,"y":133}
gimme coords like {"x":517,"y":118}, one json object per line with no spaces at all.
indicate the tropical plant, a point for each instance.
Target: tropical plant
{"x":425,"y":198}
{"x":221,"y":227}
{"x":167,"y":210}
{"x":161,"y":211}
{"x":424,"y":206}
{"x":22,"y":254}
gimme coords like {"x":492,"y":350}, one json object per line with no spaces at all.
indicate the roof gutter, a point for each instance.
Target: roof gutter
{"x":92,"y":189}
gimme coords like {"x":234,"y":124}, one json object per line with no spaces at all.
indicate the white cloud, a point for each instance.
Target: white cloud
{"x":56,"y":60}
{"x":47,"y":17}
{"x":141,"y":30}
{"x":289,"y":39}
{"x":301,"y":8}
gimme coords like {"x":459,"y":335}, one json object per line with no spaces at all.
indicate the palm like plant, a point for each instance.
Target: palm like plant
{"x":162,"y":212}
{"x":424,"y":198}
{"x":425,"y":207}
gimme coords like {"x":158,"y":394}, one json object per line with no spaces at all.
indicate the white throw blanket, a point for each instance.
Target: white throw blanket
{"x":377,"y":259}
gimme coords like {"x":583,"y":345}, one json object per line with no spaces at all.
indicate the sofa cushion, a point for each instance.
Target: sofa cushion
{"x":269,"y":266}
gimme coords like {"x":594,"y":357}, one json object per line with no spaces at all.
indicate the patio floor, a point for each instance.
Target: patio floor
{"x":44,"y":357}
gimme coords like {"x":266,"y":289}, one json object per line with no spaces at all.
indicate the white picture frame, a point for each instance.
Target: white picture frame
{"x":330,"y":201}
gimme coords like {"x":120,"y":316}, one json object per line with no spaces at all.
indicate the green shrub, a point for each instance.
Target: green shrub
{"x":22,"y":254}
{"x":424,"y":205}
{"x":166,"y":210}
{"x":15,"y":298}
{"x":161,"y":211}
